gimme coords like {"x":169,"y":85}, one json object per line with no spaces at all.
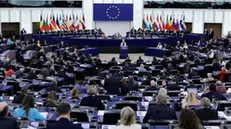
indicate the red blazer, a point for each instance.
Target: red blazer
{"x":222,"y":75}
{"x":9,"y":72}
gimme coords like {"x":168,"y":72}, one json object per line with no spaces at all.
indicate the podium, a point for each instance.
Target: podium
{"x":123,"y":52}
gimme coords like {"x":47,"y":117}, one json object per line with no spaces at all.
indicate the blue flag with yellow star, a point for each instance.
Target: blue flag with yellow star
{"x":113,"y":12}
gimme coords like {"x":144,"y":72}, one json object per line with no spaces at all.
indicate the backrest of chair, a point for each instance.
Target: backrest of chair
{"x":123,"y":104}
{"x":79,"y":116}
{"x":111,"y":117}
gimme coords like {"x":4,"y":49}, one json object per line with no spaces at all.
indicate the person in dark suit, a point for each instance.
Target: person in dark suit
{"x":161,"y":111}
{"x":19,"y":73}
{"x":7,"y":122}
{"x":147,"y":81}
{"x":31,"y":74}
{"x":212,"y":93}
{"x":19,"y":98}
{"x":64,"y":112}
{"x":211,"y":33}
{"x":91,"y":100}
{"x":97,"y":61}
{"x":112,"y":85}
{"x":23,"y":31}
{"x":206,"y":113}
{"x":53,"y":87}
{"x":152,"y":86}
{"x":139,"y":61}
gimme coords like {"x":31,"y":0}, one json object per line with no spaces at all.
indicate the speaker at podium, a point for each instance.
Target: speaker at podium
{"x":123,"y":50}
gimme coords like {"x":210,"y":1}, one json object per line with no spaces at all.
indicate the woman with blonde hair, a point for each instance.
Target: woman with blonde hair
{"x":127,"y":119}
{"x":190,"y":99}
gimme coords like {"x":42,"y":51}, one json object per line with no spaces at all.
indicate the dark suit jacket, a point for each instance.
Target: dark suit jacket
{"x":207,"y":114}
{"x":214,"y":95}
{"x":18,"y":99}
{"x":112,"y":85}
{"x":64,"y":123}
{"x":31,"y":75}
{"x":160,"y":112}
{"x":92,"y":101}
{"x":18,"y":74}
{"x":8,"y":123}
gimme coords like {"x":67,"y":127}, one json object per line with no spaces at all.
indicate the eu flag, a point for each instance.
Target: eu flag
{"x":113,"y":12}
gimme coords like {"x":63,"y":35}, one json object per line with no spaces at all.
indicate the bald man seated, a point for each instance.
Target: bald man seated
{"x":6,"y":122}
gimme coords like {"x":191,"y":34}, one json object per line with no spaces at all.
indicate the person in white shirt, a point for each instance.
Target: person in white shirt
{"x":159,"y":45}
{"x":211,"y":54}
{"x":123,"y":43}
{"x":185,"y":45}
{"x":127,"y":119}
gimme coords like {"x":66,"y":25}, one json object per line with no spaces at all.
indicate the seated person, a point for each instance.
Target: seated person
{"x":212,"y":93}
{"x":19,"y":73}
{"x":53,"y":87}
{"x":152,"y":86}
{"x":222,"y":74}
{"x":128,"y":60}
{"x":164,"y":84}
{"x":28,"y":110}
{"x":64,"y":112}
{"x":160,"y":46}
{"x":127,"y":119}
{"x":74,"y":94}
{"x":206,"y":112}
{"x":209,"y":78}
{"x":139,"y":61}
{"x":189,"y":120}
{"x":124,"y":87}
{"x":51,"y":100}
{"x":9,"y":72}
{"x":147,"y":81}
{"x":91,"y":100}
{"x":141,"y":68}
{"x":19,"y":98}
{"x":7,"y":122}
{"x":219,"y":87}
{"x":190,"y":99}
{"x":113,"y":62}
{"x":161,"y":111}
{"x":31,"y":74}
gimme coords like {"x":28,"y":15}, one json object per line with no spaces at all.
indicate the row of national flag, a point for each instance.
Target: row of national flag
{"x":51,"y":23}
{"x":161,"y":23}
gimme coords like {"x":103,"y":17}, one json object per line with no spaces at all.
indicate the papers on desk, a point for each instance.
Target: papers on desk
{"x":212,"y":127}
{"x":101,"y":112}
{"x":221,"y":114}
{"x":44,"y":114}
{"x":229,"y":91}
{"x":141,"y":113}
{"x":145,"y":104}
{"x":11,"y":98}
{"x":149,"y":98}
{"x":108,"y":126}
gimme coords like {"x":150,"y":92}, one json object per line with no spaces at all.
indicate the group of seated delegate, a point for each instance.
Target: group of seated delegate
{"x":187,"y":87}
